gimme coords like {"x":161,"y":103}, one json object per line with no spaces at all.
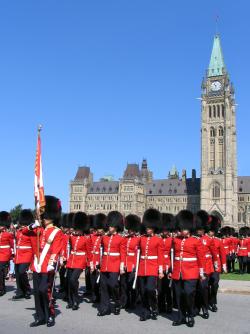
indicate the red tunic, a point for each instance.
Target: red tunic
{"x":24,"y":253}
{"x":221,"y":255}
{"x":227,"y":245}
{"x":152,"y":256}
{"x":167,"y":244}
{"x":210,"y":254}
{"x":96,"y":249}
{"x":6,"y":246}
{"x":64,"y":254}
{"x":80,"y":254}
{"x":234,"y":244}
{"x":132,"y":244}
{"x":114,"y":253}
{"x":189,"y":259}
{"x":244,"y":247}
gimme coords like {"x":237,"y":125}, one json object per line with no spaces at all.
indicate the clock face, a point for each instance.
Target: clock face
{"x":215,"y":86}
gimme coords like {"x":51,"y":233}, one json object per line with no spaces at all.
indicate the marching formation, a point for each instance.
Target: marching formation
{"x":161,"y":263}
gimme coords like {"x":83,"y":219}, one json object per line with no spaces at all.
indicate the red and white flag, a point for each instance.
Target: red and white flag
{"x":39,"y":188}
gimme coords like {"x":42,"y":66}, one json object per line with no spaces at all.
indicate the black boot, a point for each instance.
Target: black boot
{"x":75,"y":307}
{"x":190,"y":321}
{"x":102,"y":313}
{"x":17,"y":297}
{"x":37,"y":323}
{"x":145,"y":316}
{"x":154,"y":315}
{"x":117,"y":310}
{"x":179,"y":322}
{"x":214,"y":308}
{"x":51,"y":322}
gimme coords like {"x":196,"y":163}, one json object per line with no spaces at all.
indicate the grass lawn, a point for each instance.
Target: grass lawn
{"x":236,"y":276}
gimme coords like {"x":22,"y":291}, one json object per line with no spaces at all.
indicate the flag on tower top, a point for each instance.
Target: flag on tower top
{"x":39,"y":188}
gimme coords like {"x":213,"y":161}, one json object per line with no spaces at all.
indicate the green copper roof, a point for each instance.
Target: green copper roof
{"x":216,"y":64}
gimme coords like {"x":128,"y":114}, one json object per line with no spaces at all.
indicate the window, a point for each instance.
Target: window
{"x":210,"y":112}
{"x":212,"y":132}
{"x":222,"y":110}
{"x":214,"y":111}
{"x":221,"y":131}
{"x":216,"y":191}
{"x":218,"y":110}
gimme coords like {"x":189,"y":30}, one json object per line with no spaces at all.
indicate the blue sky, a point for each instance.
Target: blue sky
{"x":112,"y":82}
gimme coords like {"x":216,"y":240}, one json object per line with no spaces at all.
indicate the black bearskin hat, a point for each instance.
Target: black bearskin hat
{"x":243,"y":231}
{"x":5,"y":219}
{"x":81,"y":222}
{"x":69,"y":220}
{"x":133,"y":223}
{"x":167,"y":222}
{"x":115,"y":219}
{"x":184,"y":220}
{"x":53,"y":208}
{"x":152,"y":219}
{"x":99,"y":221}
{"x":91,"y":221}
{"x":226,"y":231}
{"x":26,"y":217}
{"x":202,"y":220}
{"x":214,"y":224}
{"x":64,"y":220}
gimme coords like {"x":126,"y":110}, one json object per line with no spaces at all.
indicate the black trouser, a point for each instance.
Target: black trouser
{"x":128,"y":294}
{"x":164,"y":294}
{"x":232,"y":258}
{"x":87,"y":280}
{"x":213,"y":287}
{"x":109,"y":283}
{"x":95,"y":287}
{"x":243,"y":264}
{"x":22,"y":281}
{"x":202,"y":295}
{"x":248,"y":265}
{"x":185,"y":296}
{"x":62,"y":275}
{"x":42,"y":284}
{"x":73,"y":285}
{"x":3,"y":267}
{"x":148,"y":290}
{"x":229,"y":262}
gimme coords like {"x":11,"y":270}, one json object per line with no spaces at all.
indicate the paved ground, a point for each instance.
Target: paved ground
{"x":233,"y":317}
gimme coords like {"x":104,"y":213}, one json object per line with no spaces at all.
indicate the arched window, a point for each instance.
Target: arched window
{"x":214,"y":111}
{"x":216,"y":190}
{"x":212,"y":132}
{"x":221,"y":132}
{"x":218,"y":111}
{"x":222,"y":110}
{"x":210,"y":112}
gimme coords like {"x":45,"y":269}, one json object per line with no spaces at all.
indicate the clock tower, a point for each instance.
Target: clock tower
{"x":218,"y":141}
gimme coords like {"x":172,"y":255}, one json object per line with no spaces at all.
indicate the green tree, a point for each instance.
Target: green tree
{"x":15,"y":212}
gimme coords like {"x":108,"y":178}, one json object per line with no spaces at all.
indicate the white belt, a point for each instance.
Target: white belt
{"x":78,"y":253}
{"x":130,"y":254}
{"x":186,"y":259}
{"x":225,"y":246}
{"x":23,"y":247}
{"x":96,"y":253}
{"x":243,"y":247}
{"x":111,"y":254}
{"x":208,"y":255}
{"x":7,"y":246}
{"x":166,"y":256}
{"x":150,"y":257}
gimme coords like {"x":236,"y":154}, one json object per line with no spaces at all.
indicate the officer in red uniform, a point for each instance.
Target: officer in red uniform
{"x":234,"y":247}
{"x":132,"y":240}
{"x":96,"y":237}
{"x":6,"y":247}
{"x":151,"y":263}
{"x":64,"y":255}
{"x":113,"y":260}
{"x":80,"y":256}
{"x":87,"y":272}
{"x":213,"y":229}
{"x":243,"y":249}
{"x":165,"y":302}
{"x":188,"y":267}
{"x":47,"y":242}
{"x":227,"y":244}
{"x":211,"y":260}
{"x":23,"y":255}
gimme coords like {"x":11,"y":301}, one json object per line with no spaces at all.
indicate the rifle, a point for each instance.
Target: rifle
{"x":136,"y":268}
{"x":172,"y":260}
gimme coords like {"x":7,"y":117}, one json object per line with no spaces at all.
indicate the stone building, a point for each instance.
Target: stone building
{"x":219,"y":190}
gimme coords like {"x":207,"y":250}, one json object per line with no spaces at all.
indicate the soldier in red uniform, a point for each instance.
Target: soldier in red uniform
{"x":213,"y":229}
{"x":227,"y":244}
{"x":151,"y":263}
{"x":96,"y":237}
{"x":64,"y":254}
{"x":188,"y":267}
{"x":243,"y":249}
{"x":113,"y":260}
{"x":211,"y":260}
{"x":47,"y":242}
{"x":233,"y":249}
{"x":165,"y":302}
{"x":80,"y":256}
{"x":128,"y":294}
{"x":6,"y":247}
{"x":23,"y":255}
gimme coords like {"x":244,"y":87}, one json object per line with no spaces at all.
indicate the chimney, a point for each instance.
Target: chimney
{"x":184,"y":175}
{"x":193,"y":175}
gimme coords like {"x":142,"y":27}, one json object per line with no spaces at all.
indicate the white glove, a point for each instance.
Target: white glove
{"x":36,"y":224}
{"x":50,"y":268}
{"x":122,"y":269}
{"x":216,"y":265}
{"x":224,"y":267}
